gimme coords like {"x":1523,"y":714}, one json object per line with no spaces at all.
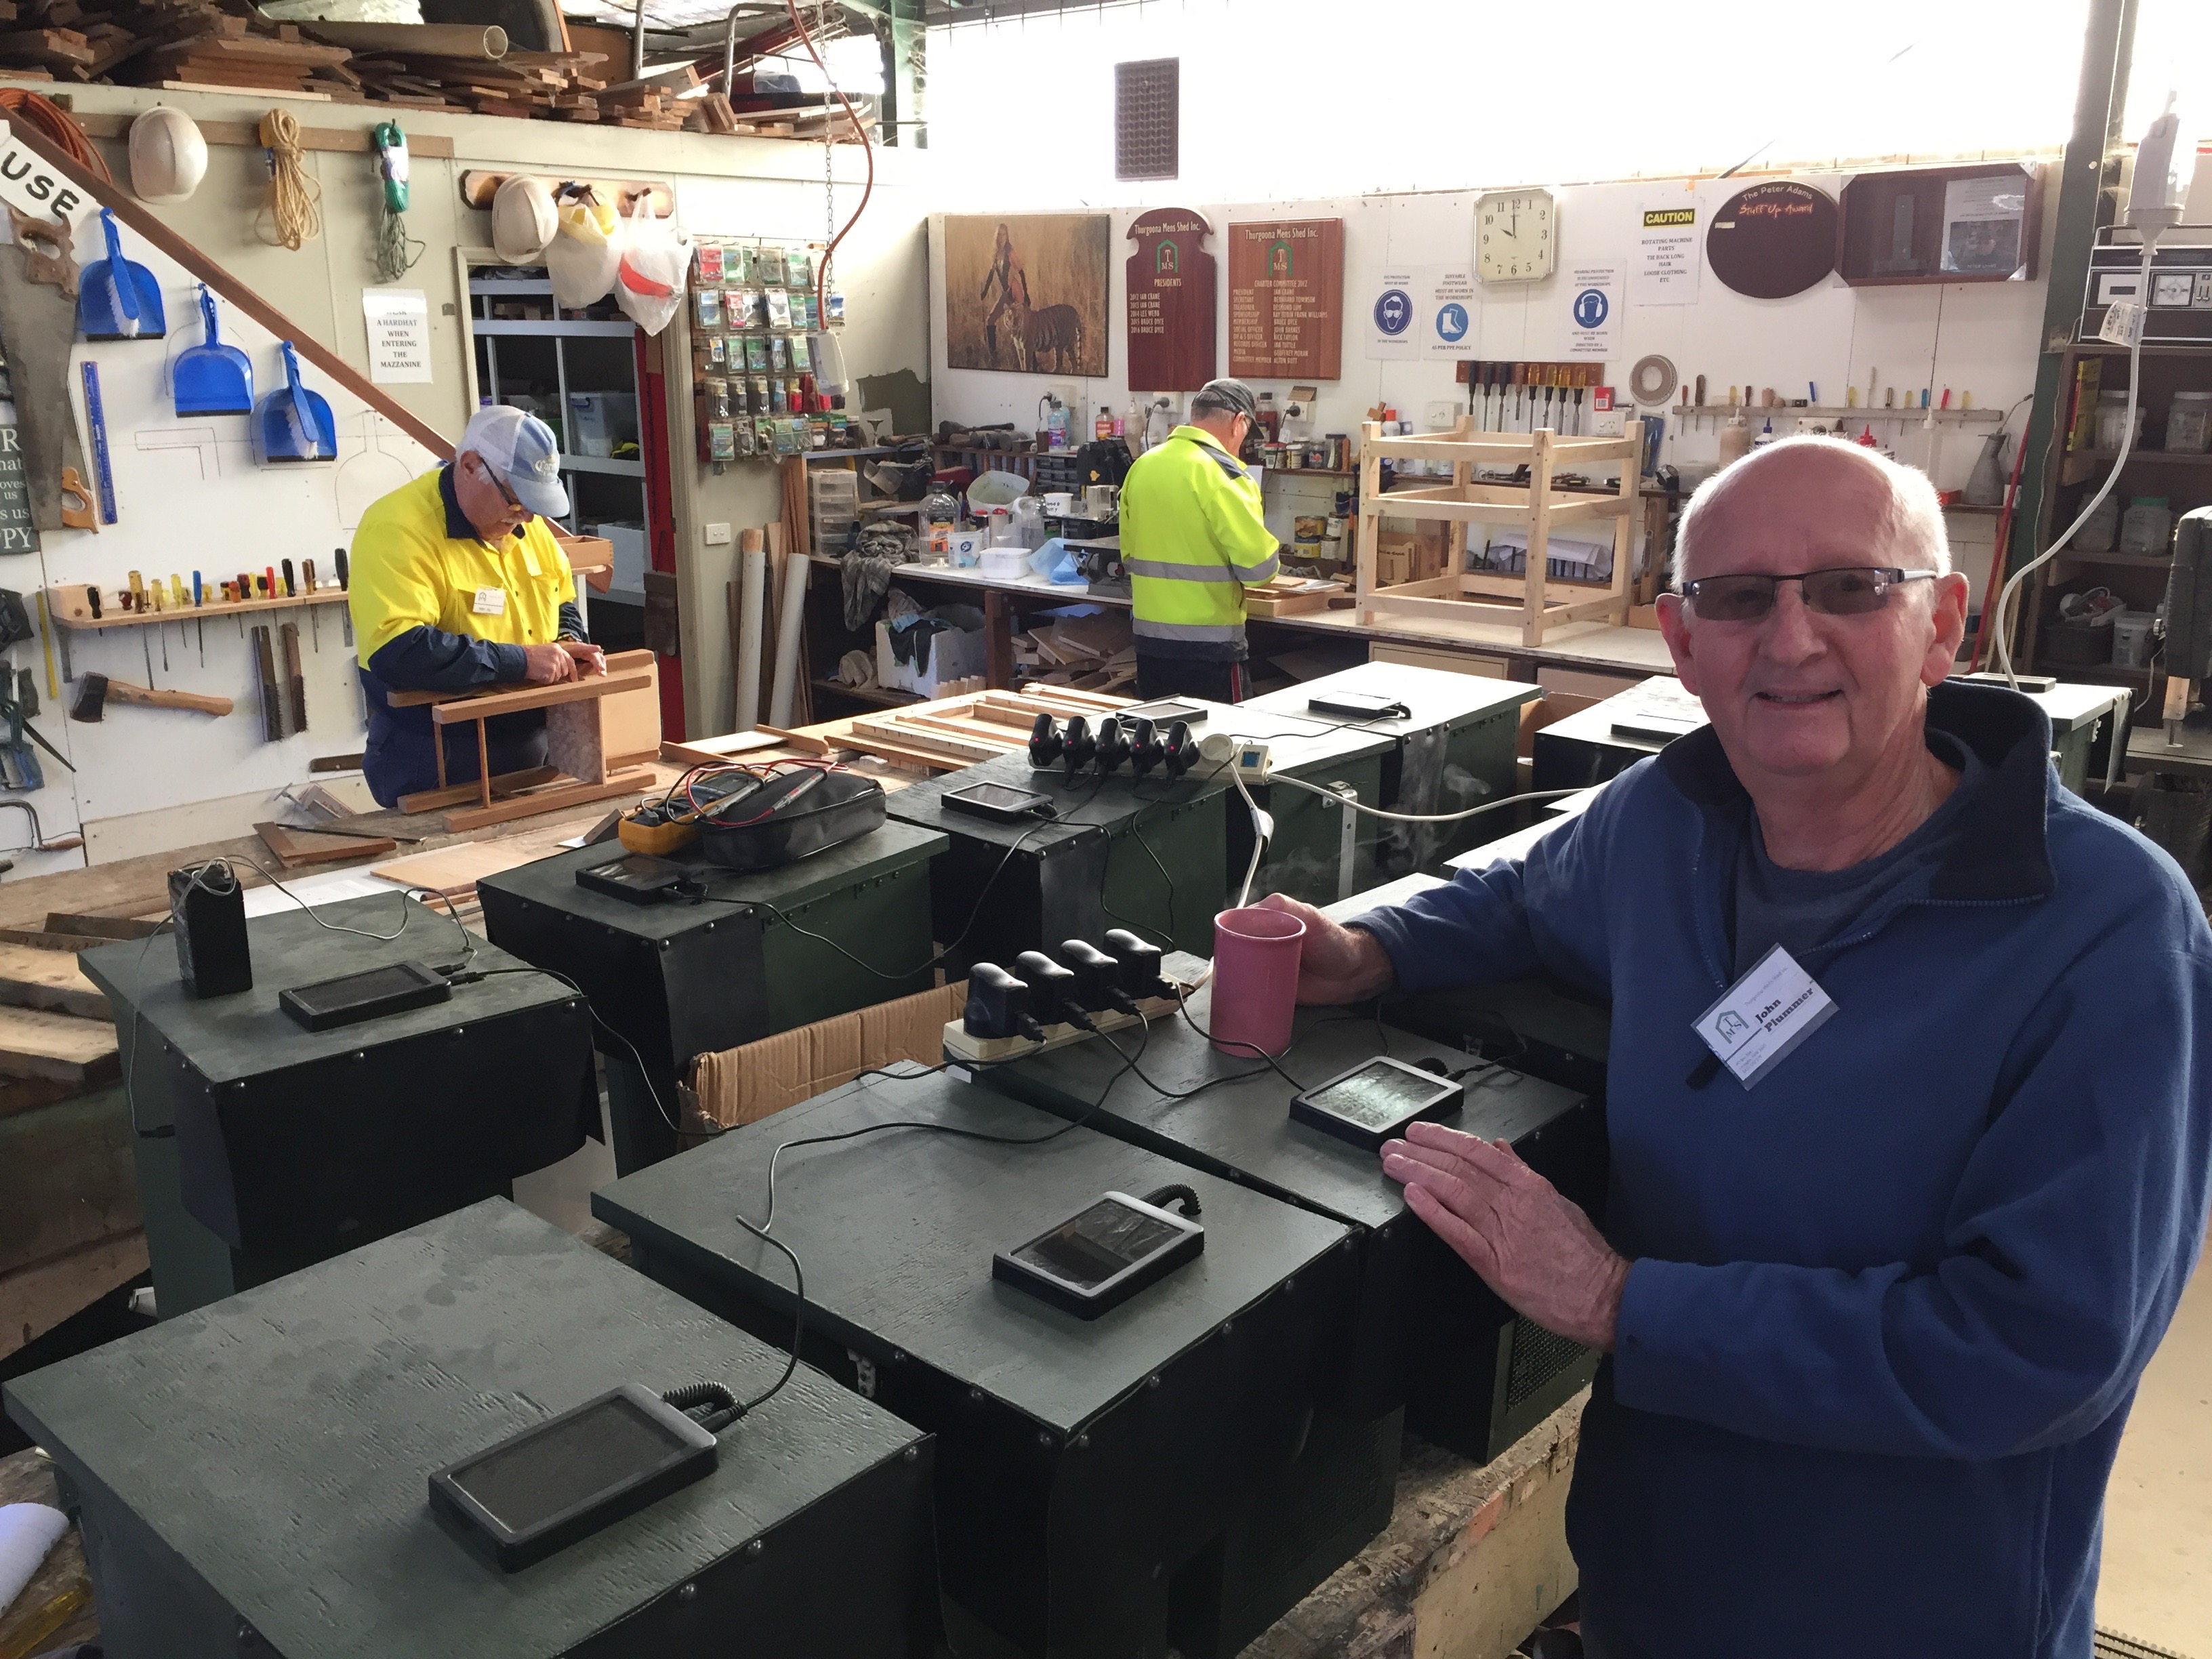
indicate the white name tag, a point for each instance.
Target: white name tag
{"x":1762,"y":1017}
{"x":491,"y":602}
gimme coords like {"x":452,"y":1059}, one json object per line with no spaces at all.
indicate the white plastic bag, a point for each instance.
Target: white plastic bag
{"x":654,"y":266}
{"x":585,"y":252}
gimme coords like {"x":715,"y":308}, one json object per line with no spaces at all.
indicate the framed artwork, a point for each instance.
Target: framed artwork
{"x":1027,"y":292}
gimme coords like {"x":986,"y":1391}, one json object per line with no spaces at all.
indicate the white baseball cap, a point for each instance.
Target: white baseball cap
{"x":521,"y":448}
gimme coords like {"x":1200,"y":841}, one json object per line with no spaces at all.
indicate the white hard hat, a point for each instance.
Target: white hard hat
{"x":522,"y":219}
{"x":168,"y":157}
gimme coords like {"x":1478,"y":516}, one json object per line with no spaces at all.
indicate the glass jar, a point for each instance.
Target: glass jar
{"x":2189,"y":424}
{"x":2101,"y":528}
{"x":2111,"y":420}
{"x":2147,"y":526}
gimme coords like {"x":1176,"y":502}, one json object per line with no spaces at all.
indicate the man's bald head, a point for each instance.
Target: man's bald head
{"x":1888,"y":512}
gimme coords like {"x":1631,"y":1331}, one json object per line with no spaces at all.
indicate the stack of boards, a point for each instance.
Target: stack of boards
{"x":57,"y":1035}
{"x":175,"y":45}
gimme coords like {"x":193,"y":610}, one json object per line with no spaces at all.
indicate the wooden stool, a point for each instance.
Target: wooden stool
{"x":595,"y":729}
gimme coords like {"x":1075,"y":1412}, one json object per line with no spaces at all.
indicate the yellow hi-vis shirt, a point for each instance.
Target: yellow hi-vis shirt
{"x":1193,"y":539}
{"x":417,"y":562}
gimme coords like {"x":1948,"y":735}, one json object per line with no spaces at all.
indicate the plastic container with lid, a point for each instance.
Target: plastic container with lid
{"x":2189,"y":424}
{"x":2111,"y":419}
{"x":2100,"y":529}
{"x":1029,"y":522}
{"x":2147,"y":526}
{"x":2132,"y":638}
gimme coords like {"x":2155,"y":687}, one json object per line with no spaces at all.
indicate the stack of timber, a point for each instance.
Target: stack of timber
{"x":164,"y":43}
{"x":950,"y":733}
{"x":523,"y":85}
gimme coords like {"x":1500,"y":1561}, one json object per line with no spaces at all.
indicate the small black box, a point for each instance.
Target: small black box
{"x":208,"y":904}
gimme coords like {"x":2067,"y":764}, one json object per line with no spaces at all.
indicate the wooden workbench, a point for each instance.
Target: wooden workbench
{"x":1477,"y":643}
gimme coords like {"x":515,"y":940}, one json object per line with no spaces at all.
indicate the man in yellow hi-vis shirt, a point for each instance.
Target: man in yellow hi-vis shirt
{"x":1193,"y":539}
{"x":457,"y":583}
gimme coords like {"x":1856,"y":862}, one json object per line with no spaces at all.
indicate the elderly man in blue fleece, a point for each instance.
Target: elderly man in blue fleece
{"x":1875,"y":1304}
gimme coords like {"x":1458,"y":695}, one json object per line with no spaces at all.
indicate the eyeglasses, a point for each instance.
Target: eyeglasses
{"x":505,"y":494}
{"x":1847,"y":591}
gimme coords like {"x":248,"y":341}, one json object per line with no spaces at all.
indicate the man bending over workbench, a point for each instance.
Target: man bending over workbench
{"x":457,"y":584}
{"x":1909,"y":1103}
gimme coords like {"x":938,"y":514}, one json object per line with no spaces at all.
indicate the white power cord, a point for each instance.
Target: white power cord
{"x":2165,"y":163}
{"x":2004,"y":621}
{"x":1530,"y":799}
{"x":1263,"y":831}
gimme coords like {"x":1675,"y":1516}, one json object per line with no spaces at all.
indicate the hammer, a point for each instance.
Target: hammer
{"x":94,"y":691}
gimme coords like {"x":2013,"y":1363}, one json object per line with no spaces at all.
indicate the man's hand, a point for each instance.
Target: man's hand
{"x":589,"y":659}
{"x":548,"y":664}
{"x":1539,"y":1252}
{"x":1337,"y":963}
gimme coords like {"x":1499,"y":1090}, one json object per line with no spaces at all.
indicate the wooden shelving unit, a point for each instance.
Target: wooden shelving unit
{"x":2071,"y":477}
{"x":1542,"y":602}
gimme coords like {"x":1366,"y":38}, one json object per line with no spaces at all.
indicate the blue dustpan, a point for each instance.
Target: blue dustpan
{"x":117,"y":299}
{"x":294,"y":424}
{"x":211,"y":378}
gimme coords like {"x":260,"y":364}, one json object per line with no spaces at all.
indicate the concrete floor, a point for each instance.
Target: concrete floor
{"x":2156,"y":1584}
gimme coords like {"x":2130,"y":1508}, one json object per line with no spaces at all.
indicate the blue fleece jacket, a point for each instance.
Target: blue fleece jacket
{"x":1889,"y":1307}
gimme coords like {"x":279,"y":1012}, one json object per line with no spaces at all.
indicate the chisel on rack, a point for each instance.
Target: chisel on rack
{"x":296,"y":681}
{"x":272,"y":704}
{"x":308,"y":586}
{"x":345,"y":611}
{"x":290,"y":589}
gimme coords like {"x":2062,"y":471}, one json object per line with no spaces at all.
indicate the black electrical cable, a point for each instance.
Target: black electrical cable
{"x":799,"y":1272}
{"x":199,"y":876}
{"x":645,"y":1073}
{"x":974,"y":915}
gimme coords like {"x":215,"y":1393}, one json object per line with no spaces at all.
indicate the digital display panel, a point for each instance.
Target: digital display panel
{"x":1378,"y":1095}
{"x":999,"y":797}
{"x":527,"y":1481}
{"x":1092,"y":1247}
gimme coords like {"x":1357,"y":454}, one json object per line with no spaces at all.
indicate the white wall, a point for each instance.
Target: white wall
{"x":1977,"y":339}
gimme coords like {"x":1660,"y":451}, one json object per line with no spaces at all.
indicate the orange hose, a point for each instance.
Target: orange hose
{"x":51,"y":120}
{"x":859,"y":132}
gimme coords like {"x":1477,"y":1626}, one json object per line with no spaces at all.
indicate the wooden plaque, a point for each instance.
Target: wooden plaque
{"x":1169,"y":281}
{"x":1287,"y":299}
{"x":1774,"y":240}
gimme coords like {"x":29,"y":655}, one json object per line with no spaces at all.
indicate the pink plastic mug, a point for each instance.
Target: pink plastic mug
{"x":1255,"y":980}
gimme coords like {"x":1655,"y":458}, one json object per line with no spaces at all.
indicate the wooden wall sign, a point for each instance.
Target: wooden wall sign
{"x":1287,"y":299}
{"x":1169,"y":283}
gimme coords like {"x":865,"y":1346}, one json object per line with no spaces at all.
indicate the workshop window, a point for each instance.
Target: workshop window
{"x":1147,"y":117}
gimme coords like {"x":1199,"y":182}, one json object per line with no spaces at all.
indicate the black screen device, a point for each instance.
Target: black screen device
{"x":1359,"y":705}
{"x":999,"y":801}
{"x":1102,"y":1255}
{"x":370,"y":994}
{"x":1166,"y":712}
{"x":209,"y":905}
{"x":544,"y":1488}
{"x":640,"y":877}
{"x":1375,"y":1100}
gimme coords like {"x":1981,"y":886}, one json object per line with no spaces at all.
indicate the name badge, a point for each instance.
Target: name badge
{"x":491,"y":602}
{"x":1761,"y":1018}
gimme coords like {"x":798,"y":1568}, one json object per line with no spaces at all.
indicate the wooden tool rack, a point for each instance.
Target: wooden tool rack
{"x":1538,"y":503}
